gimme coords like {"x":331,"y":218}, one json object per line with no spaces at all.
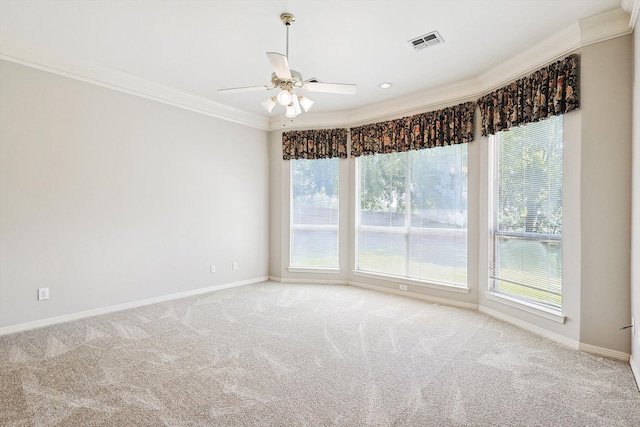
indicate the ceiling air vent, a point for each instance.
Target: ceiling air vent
{"x":431,"y":39}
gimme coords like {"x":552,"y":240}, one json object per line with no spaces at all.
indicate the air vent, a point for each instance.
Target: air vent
{"x":431,"y":39}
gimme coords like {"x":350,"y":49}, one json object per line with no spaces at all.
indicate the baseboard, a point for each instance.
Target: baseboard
{"x":567,"y":342}
{"x":635,"y":369}
{"x":307,"y":281}
{"x":605,"y":352}
{"x":437,"y":300}
{"x":313,"y":281}
{"x":560,"y":339}
{"x":125,"y":306}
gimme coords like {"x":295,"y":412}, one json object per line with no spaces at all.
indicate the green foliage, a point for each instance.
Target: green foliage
{"x":316,"y":180}
{"x":437,"y":177}
{"x":530,"y":178}
{"x":383,"y":182}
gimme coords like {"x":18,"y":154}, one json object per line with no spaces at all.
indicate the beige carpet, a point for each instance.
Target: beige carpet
{"x":274,"y":355}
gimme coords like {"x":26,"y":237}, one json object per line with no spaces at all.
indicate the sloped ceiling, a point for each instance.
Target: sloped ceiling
{"x":191,"y":48}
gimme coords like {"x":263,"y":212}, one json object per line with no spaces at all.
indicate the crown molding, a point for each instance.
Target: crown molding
{"x":526,"y":62}
{"x":127,"y":83}
{"x":588,"y":31}
{"x":605,"y":26}
{"x":596,"y":29}
{"x":633,"y":7}
{"x":416,"y":103}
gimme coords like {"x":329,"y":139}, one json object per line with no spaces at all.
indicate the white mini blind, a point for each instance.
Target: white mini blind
{"x":314,"y":213}
{"x":526,"y":236}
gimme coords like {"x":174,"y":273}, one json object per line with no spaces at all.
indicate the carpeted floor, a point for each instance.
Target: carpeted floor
{"x":274,"y":354}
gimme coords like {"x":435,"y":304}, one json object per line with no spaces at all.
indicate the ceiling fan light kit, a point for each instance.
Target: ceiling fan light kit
{"x":286,"y":79}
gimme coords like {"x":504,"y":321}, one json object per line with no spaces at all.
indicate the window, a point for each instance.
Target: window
{"x":412,"y":217}
{"x":314,"y":213}
{"x":526,"y":234}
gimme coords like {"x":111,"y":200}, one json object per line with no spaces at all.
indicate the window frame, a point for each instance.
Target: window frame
{"x":406,"y":230}
{"x":494,"y":234}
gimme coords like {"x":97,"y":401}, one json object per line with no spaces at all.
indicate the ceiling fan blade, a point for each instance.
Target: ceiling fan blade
{"x":340,"y":88}
{"x":280,"y":65}
{"x":244,"y":89}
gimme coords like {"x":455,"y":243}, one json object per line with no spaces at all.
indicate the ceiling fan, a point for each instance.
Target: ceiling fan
{"x":286,"y":79}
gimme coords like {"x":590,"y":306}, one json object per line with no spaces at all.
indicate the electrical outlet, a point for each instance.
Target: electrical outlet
{"x":633,"y":326}
{"x":212,"y":268}
{"x":234,"y":266}
{"x":43,"y":293}
{"x":403,"y":287}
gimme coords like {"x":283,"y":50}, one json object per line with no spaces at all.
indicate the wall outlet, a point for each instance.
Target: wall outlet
{"x":633,"y":326}
{"x":212,"y":268}
{"x":403,"y":287}
{"x":234,"y":266}
{"x":43,"y":293}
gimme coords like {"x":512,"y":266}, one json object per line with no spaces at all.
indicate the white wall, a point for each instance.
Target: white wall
{"x":108,"y":198}
{"x":605,"y":193}
{"x":635,"y":251}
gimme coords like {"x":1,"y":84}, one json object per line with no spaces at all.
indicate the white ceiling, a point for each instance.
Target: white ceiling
{"x":199,"y":46}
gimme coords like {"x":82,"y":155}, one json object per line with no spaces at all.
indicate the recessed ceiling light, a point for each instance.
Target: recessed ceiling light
{"x":385,"y":85}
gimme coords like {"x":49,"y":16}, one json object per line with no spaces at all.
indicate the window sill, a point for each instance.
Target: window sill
{"x":315,"y":270}
{"x":547,"y":313}
{"x":413,"y":282}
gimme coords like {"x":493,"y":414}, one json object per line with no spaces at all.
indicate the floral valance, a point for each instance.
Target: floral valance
{"x":550,"y":91}
{"x":314,"y":144}
{"x":452,"y":125}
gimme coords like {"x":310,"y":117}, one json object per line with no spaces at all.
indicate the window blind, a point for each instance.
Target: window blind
{"x":526,"y":261}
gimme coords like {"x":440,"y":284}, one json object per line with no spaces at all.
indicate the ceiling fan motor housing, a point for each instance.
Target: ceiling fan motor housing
{"x":285,"y":84}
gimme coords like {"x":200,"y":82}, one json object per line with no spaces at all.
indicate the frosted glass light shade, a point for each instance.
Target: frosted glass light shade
{"x":291,"y":112}
{"x":284,"y":98}
{"x":296,"y":104}
{"x":306,"y":103}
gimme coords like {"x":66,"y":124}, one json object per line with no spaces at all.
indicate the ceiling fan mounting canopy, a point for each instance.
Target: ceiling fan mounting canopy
{"x":287,"y":79}
{"x":287,"y":18}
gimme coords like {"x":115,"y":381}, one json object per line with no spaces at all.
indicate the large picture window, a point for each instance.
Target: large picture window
{"x":412,"y":216}
{"x":526,"y":234}
{"x":314,"y":213}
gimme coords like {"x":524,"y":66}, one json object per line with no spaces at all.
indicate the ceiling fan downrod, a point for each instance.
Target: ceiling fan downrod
{"x":287,"y":19}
